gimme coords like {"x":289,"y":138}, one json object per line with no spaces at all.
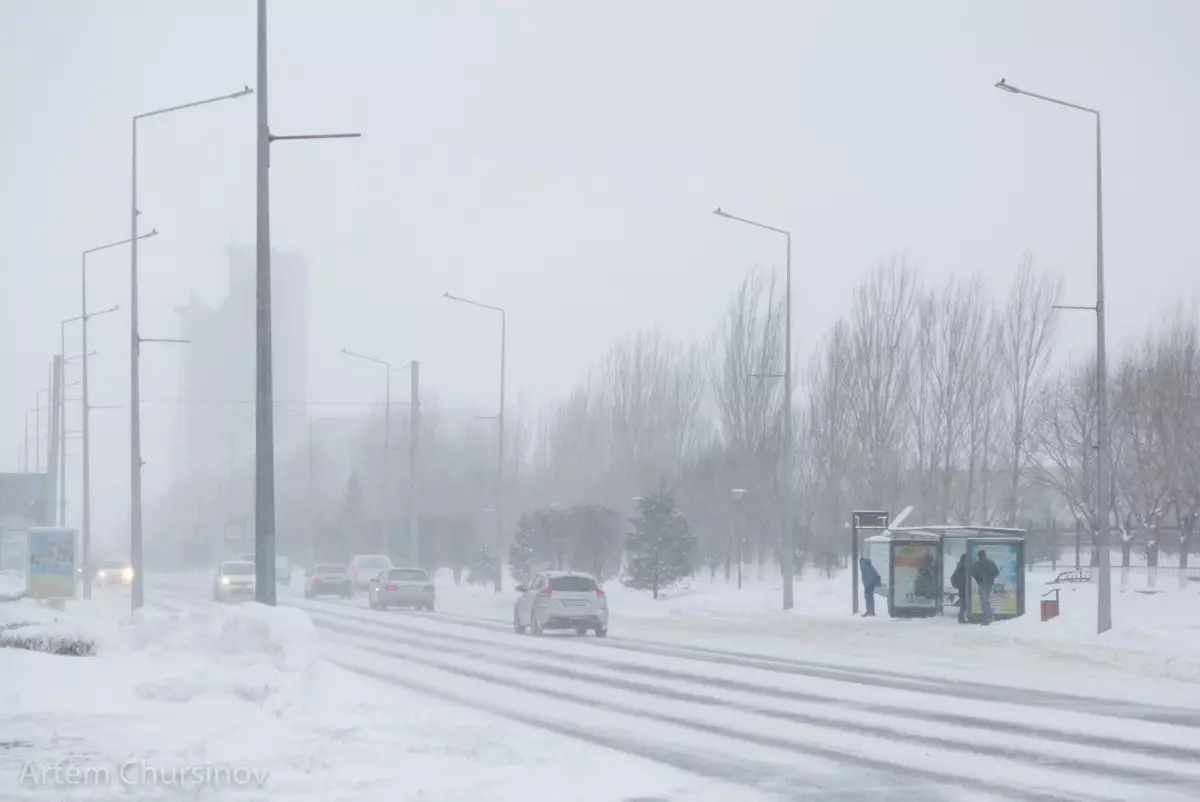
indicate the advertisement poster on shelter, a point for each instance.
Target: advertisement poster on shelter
{"x":1004,"y":590}
{"x":915,"y":574}
{"x":51,"y":563}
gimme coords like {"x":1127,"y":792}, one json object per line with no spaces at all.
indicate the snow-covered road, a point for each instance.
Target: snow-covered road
{"x":771,"y":725}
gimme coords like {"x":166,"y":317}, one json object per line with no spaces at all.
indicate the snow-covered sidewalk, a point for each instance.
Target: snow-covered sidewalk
{"x":1151,"y":655}
{"x":235,"y":702}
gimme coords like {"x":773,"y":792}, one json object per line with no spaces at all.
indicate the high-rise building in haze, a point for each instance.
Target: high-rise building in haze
{"x":214,"y":432}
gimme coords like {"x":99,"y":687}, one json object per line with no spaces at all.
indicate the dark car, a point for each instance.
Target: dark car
{"x":327,"y":580}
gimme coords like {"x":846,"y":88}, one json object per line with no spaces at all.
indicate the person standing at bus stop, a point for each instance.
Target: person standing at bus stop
{"x":984,"y":572}
{"x":958,"y":581}
{"x":870,"y":580}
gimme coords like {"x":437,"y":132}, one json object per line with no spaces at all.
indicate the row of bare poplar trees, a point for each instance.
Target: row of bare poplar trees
{"x":948,"y":396}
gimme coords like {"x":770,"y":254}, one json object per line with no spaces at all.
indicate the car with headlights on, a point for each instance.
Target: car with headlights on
{"x":327,"y":580}
{"x":114,"y":572}
{"x":365,"y":567}
{"x":561,"y":600}
{"x":235,"y":581}
{"x":401,"y":587}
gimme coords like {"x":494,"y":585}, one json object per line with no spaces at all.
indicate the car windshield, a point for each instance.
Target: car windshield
{"x":331,"y":569}
{"x":237,"y":569}
{"x":375,"y":562}
{"x":113,"y":565}
{"x":572,"y":583}
{"x":408,"y":575}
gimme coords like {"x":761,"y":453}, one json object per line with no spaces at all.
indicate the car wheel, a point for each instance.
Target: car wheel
{"x":581,"y":631}
{"x":535,"y":626}
{"x":518,"y":627}
{"x":601,"y":632}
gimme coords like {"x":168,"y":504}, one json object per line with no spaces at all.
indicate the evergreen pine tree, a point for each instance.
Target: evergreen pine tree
{"x":659,"y":549}
{"x":483,"y":569}
{"x":522,"y":553}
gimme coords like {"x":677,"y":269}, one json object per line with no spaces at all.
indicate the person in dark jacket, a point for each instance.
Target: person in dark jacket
{"x":870,"y":580}
{"x":958,"y":580}
{"x":984,"y":572}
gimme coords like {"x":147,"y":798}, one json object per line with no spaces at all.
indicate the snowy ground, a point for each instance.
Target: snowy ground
{"x":200,"y":692}
{"x":708,"y":694}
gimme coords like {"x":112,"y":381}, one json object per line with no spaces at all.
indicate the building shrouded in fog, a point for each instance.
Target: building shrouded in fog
{"x":214,"y":432}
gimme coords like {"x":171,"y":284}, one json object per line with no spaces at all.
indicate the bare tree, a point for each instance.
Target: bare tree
{"x":1028,"y":324}
{"x":882,"y":341}
{"x":827,"y":436}
{"x":983,"y":413}
{"x":1064,"y":440}
{"x":1142,"y":480}
{"x":747,"y":353}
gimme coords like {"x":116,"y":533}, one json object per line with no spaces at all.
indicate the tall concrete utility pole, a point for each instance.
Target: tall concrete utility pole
{"x":414,"y":499}
{"x":264,"y":433}
{"x":56,"y":390}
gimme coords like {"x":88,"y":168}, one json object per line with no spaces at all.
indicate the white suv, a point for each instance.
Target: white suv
{"x":365,"y":567}
{"x":561,"y":600}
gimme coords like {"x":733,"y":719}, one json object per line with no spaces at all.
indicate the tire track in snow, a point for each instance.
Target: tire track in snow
{"x":672,"y":757}
{"x":1158,"y":777}
{"x":1019,"y":729}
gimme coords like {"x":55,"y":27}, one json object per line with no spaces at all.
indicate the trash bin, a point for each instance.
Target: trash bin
{"x":1050,"y":606}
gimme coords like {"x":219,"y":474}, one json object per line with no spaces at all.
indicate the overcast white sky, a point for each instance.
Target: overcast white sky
{"x":561,"y":159}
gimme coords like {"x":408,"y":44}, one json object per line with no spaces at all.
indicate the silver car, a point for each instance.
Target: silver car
{"x":234,"y":581}
{"x":401,"y":587}
{"x":561,"y":600}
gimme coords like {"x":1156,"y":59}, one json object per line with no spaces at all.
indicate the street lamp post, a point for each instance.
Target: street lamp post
{"x":86,"y":520}
{"x":28,"y":412}
{"x":738,"y":533}
{"x":500,"y":443}
{"x":62,"y":417}
{"x":1103,"y":453}
{"x":37,"y":425}
{"x":135,"y":342}
{"x":385,"y":539}
{"x":789,"y":535}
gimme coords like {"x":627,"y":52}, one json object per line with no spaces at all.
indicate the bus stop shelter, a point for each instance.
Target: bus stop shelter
{"x":917,"y":562}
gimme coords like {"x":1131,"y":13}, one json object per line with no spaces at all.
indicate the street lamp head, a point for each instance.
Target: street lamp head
{"x":737,"y":493}
{"x":717,"y":211}
{"x":1002,"y":84}
{"x":246,"y":90}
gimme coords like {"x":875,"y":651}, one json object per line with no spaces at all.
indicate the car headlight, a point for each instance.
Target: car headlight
{"x":127,"y":574}
{"x":101,"y":574}
{"x":224,"y":580}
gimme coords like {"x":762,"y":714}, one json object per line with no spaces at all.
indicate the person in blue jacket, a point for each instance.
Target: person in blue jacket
{"x":870,"y":580}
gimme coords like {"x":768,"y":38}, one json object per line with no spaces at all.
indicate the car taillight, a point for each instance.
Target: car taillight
{"x":392,"y":587}
{"x":599,"y":593}
{"x":546,"y":591}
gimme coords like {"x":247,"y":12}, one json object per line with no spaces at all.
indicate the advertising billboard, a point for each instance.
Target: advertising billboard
{"x":1007,"y":589}
{"x":51,"y":572}
{"x":915,"y":584}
